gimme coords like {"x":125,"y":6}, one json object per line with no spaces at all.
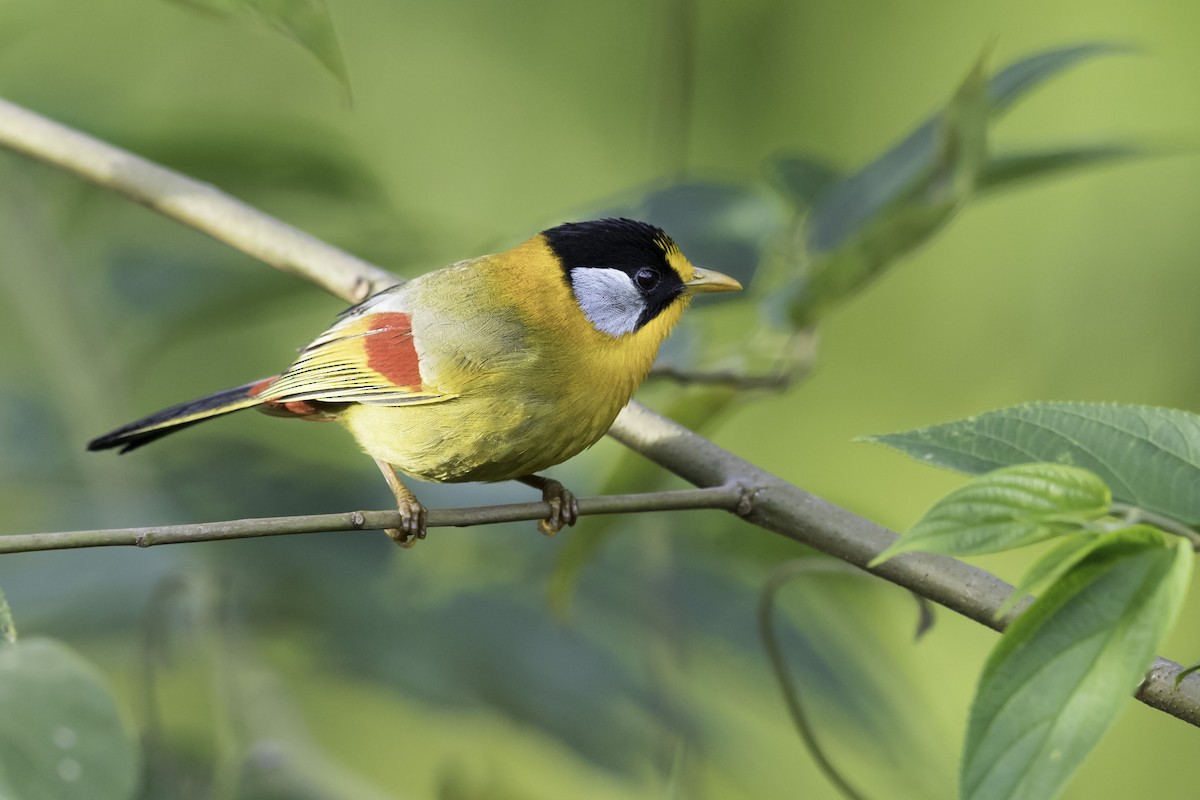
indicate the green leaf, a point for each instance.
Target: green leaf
{"x":1012,"y":168}
{"x":1050,"y":567}
{"x":1065,"y":668}
{"x":858,"y":225}
{"x":61,"y":737}
{"x":903,"y":168}
{"x":1017,"y":79}
{"x":1005,"y":509}
{"x":1149,"y":456}
{"x":306,"y":22}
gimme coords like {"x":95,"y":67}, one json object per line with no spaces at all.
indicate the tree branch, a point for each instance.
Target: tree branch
{"x":728,"y":498}
{"x":775,"y":504}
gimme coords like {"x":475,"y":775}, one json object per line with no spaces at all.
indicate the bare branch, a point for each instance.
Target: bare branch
{"x":775,"y":505}
{"x":728,"y":498}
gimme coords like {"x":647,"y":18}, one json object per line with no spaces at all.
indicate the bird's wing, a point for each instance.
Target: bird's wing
{"x":368,"y":356}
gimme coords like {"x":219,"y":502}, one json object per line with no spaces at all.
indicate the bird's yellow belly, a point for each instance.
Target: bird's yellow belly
{"x":480,"y":438}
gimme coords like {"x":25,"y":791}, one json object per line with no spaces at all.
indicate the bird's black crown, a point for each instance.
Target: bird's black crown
{"x":623,"y":244}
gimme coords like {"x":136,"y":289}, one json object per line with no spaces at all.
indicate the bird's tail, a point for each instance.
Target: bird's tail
{"x":175,"y":418}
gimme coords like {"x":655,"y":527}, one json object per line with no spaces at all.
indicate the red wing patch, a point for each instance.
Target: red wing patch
{"x":261,"y":386}
{"x":390,"y":350}
{"x":294,"y":408}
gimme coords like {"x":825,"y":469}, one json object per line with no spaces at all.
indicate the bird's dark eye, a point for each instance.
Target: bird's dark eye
{"x":646,"y":279}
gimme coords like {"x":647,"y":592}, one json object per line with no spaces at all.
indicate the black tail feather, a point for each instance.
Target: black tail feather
{"x":159,"y":424}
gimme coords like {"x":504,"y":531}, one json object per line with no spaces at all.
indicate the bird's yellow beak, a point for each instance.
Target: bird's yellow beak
{"x":707,"y":280}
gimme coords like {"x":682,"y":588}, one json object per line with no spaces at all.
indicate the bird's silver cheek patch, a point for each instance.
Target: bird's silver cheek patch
{"x":608,"y":299}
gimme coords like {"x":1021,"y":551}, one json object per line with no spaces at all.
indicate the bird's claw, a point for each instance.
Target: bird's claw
{"x":564,"y":508}
{"x":412,"y":524}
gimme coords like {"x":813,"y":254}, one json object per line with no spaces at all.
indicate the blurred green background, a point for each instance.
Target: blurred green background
{"x":339,"y":666}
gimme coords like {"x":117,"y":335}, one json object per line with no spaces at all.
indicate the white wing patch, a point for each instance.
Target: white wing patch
{"x":608,"y":299}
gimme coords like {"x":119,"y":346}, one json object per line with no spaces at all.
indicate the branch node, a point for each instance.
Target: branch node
{"x":357,"y":519}
{"x":144,"y":539}
{"x":745,"y":503}
{"x":360,"y":291}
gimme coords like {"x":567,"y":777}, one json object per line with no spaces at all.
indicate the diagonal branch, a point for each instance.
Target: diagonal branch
{"x":776,"y":505}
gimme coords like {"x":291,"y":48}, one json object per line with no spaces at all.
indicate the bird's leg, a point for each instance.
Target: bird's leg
{"x":564,"y":508}
{"x":412,"y":513}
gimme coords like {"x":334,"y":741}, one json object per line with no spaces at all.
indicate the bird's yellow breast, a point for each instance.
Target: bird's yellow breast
{"x":531,"y":381}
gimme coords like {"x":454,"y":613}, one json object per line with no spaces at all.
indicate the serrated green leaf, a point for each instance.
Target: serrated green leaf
{"x":1150,"y":457}
{"x":1005,"y":509}
{"x":306,"y":22}
{"x":1016,"y":80}
{"x":1003,"y":171}
{"x":1065,"y":668}
{"x":61,"y":737}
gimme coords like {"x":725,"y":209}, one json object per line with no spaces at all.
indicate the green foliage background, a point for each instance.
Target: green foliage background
{"x":337,"y":663}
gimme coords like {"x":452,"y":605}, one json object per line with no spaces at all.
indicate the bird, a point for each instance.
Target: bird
{"x":493,"y":368}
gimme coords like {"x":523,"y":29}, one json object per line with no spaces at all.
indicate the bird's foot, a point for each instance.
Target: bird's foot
{"x":564,"y":508}
{"x":412,"y":513}
{"x":412,"y":523}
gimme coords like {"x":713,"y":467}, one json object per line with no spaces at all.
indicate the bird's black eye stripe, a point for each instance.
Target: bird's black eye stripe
{"x":646,"y":279}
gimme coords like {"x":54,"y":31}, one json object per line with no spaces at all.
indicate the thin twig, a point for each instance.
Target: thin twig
{"x":777,"y":505}
{"x":727,"y":498}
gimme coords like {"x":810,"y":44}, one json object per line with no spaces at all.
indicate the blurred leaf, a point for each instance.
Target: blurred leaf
{"x":306,"y":22}
{"x":802,"y":179}
{"x":1150,"y":457}
{"x":1065,"y":668}
{"x":1003,"y":171}
{"x":61,"y":736}
{"x":860,"y":224}
{"x":8,"y":628}
{"x":1009,"y":508}
{"x":1017,"y":79}
{"x":896,"y":202}
{"x":963,"y":140}
{"x":252,"y":744}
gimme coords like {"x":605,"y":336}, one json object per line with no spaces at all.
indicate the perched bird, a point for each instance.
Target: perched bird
{"x":490,"y":369}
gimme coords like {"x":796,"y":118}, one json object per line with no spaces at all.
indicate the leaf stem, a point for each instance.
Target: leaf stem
{"x":1132,"y":515}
